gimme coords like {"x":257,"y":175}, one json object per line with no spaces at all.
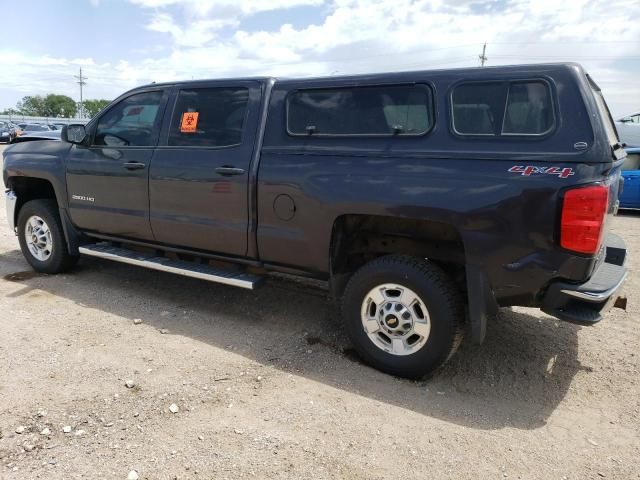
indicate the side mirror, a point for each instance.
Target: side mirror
{"x":74,"y":133}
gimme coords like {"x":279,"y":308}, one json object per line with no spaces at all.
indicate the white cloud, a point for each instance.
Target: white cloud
{"x":360,"y":36}
{"x":356,"y":36}
{"x":196,"y":34}
{"x":245,"y":7}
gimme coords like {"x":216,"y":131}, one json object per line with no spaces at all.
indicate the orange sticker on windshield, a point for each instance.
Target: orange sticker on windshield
{"x":189,"y":122}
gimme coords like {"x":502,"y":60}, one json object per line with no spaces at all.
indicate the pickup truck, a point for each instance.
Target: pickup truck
{"x":425,"y":200}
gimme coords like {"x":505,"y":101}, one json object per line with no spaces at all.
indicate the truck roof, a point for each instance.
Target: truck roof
{"x":484,"y":71}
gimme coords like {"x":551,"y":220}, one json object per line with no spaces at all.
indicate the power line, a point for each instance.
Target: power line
{"x":82,"y":83}
{"x":565,"y":57}
{"x":582,"y":43}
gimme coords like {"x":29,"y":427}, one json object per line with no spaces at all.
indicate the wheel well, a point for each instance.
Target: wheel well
{"x":29,"y":188}
{"x":358,"y":239}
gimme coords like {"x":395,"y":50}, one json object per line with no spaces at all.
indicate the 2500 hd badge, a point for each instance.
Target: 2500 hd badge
{"x":83,"y":198}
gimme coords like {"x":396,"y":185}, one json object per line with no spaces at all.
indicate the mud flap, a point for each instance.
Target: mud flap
{"x":482,"y":304}
{"x":71,"y":235}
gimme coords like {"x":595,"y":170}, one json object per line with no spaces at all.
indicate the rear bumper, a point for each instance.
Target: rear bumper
{"x":585,"y":304}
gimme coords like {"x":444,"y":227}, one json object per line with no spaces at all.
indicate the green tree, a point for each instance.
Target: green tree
{"x":31,"y":105}
{"x":59,"y":106}
{"x":50,"y":106}
{"x":92,"y":107}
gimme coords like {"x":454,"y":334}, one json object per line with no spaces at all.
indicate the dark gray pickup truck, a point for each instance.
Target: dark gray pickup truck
{"x":426,"y":200}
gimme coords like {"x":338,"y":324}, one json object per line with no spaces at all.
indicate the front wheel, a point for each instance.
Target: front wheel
{"x":403,"y":315}
{"x":41,"y":237}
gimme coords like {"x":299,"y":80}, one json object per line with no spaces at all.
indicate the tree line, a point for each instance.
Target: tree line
{"x":53,"y":105}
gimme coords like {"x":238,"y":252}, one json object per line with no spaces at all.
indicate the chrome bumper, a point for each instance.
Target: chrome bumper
{"x":11,"y":199}
{"x":596,"y":297}
{"x":586,"y":303}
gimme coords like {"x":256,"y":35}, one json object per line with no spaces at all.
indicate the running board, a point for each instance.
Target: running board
{"x":154,"y":262}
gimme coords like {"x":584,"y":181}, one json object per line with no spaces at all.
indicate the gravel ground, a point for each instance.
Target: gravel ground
{"x":93,"y":364}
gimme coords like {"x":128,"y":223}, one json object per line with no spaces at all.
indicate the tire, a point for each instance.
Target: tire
{"x":436,"y":315}
{"x":55,"y":257}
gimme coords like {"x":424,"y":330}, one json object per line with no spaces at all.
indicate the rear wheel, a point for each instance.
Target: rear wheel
{"x":403,"y":315}
{"x":41,"y":237}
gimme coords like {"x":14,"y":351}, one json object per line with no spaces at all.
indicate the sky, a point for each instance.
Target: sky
{"x":120,"y":44}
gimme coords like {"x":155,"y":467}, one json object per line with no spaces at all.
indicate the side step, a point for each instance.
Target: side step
{"x":187,"y":269}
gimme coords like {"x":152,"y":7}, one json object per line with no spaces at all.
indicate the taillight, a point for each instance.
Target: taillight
{"x":583,"y":211}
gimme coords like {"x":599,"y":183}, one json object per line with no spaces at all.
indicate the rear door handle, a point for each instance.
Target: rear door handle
{"x":228,"y":171}
{"x":134,"y":165}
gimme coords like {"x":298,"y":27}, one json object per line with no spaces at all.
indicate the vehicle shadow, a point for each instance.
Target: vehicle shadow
{"x":516,"y":379}
{"x":629,"y":212}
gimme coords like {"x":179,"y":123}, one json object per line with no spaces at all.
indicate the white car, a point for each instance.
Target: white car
{"x":629,"y":129}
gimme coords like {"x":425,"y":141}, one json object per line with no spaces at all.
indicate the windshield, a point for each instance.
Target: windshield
{"x":35,"y":128}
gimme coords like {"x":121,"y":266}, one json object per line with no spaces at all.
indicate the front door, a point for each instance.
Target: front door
{"x":199,"y":177}
{"x":107,"y":181}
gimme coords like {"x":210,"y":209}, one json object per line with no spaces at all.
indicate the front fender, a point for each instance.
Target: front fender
{"x":43,"y":160}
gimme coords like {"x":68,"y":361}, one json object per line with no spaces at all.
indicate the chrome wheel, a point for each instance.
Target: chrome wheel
{"x":396,"y":319}
{"x":38,"y":238}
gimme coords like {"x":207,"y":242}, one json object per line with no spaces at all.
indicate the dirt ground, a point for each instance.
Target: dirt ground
{"x":267,"y":387}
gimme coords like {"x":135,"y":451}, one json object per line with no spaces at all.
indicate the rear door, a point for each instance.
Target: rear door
{"x":107,"y":181}
{"x":198,"y":182}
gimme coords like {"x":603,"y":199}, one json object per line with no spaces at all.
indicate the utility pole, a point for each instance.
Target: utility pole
{"x":483,"y":58}
{"x":81,"y":82}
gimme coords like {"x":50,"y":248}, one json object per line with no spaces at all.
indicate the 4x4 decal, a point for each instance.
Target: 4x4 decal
{"x":529,"y":170}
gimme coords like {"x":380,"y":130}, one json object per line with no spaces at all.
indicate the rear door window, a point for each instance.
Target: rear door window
{"x":631,"y":162}
{"x":361,"y":111}
{"x":502,"y":108}
{"x":209,"y":117}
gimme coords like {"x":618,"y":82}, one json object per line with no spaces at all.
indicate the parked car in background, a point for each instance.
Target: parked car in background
{"x":7,"y":132}
{"x":36,"y":127}
{"x":629,"y":129}
{"x":633,"y":118}
{"x":18,"y":130}
{"x":40,"y":135}
{"x":630,"y":196}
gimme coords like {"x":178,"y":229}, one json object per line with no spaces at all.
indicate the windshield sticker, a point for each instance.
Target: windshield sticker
{"x":189,"y":122}
{"x":529,"y":170}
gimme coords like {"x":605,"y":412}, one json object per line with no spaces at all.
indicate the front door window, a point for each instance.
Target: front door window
{"x":132,"y":122}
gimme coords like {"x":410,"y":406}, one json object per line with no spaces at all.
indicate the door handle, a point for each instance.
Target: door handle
{"x":228,"y":171}
{"x":134,"y":165}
